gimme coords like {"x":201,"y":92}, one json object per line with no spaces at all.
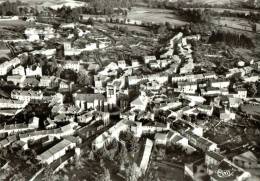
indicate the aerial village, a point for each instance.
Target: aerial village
{"x":81,"y":101}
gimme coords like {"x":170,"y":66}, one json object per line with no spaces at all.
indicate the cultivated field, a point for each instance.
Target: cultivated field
{"x":13,"y":23}
{"x":130,"y":27}
{"x":4,"y":53}
{"x":154,"y":15}
{"x":236,"y":23}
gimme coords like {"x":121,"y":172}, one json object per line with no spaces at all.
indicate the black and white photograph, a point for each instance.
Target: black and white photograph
{"x":129,"y":90}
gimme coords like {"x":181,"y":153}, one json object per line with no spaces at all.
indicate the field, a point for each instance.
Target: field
{"x":236,"y":23}
{"x":130,"y":27}
{"x":12,"y":29}
{"x":218,"y":2}
{"x":13,"y":23}
{"x":154,"y":15}
{"x":257,"y":49}
{"x":4,"y":53}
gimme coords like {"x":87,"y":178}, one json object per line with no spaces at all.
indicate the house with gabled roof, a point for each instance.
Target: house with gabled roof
{"x":13,"y":104}
{"x":212,"y":160}
{"x":228,"y":171}
{"x":247,"y":159}
{"x":18,"y":70}
{"x":140,"y":103}
{"x":108,"y":136}
{"x":16,"y":79}
{"x":206,"y":109}
{"x":30,"y":95}
{"x":56,"y":151}
{"x":200,"y":142}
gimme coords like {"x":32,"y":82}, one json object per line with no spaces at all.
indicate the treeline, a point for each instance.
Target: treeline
{"x":106,"y":7}
{"x":200,"y":12}
{"x":195,"y":15}
{"x":253,"y":16}
{"x":231,"y":39}
{"x":204,"y":15}
{"x":8,"y":8}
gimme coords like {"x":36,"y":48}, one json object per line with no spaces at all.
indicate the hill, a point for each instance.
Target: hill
{"x":54,"y":4}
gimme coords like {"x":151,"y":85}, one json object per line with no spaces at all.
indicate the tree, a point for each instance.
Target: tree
{"x":130,"y":140}
{"x":84,"y":79}
{"x":162,"y":29}
{"x":90,"y":21}
{"x":69,"y":75}
{"x":252,"y":89}
{"x":105,"y":176}
{"x":48,"y":173}
{"x":132,"y":172}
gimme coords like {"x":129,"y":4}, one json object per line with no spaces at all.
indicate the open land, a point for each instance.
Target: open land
{"x":154,"y":15}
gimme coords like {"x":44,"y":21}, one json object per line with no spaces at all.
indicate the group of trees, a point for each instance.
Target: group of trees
{"x":204,"y":13}
{"x":68,"y":14}
{"x":253,"y":16}
{"x":130,"y":141}
{"x":231,"y":39}
{"x":106,"y":7}
{"x":249,"y":4}
{"x":8,"y":8}
{"x":195,"y":15}
{"x":49,"y":67}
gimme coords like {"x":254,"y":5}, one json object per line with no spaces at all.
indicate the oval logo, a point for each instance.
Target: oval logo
{"x":224,"y":173}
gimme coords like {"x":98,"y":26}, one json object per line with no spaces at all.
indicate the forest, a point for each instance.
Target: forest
{"x":231,"y":39}
{"x":106,"y":7}
{"x":195,"y":15}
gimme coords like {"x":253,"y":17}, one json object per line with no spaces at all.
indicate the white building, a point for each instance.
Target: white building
{"x":8,"y":65}
{"x":89,"y":101}
{"x":147,"y":59}
{"x":56,"y":151}
{"x":32,"y":34}
{"x":121,"y":64}
{"x":107,"y":137}
{"x":36,"y":72}
{"x":30,"y":96}
{"x":140,"y":103}
{"x":18,"y":70}
{"x":187,"y":87}
{"x":206,"y":109}
{"x":144,"y":162}
{"x":227,"y":170}
{"x":135,"y":63}
{"x":247,"y":160}
{"x":16,"y":79}
{"x":48,"y":81}
{"x":72,"y":65}
{"x":111,"y":91}
{"x":13,"y":104}
{"x":160,"y":139}
{"x":220,"y":83}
